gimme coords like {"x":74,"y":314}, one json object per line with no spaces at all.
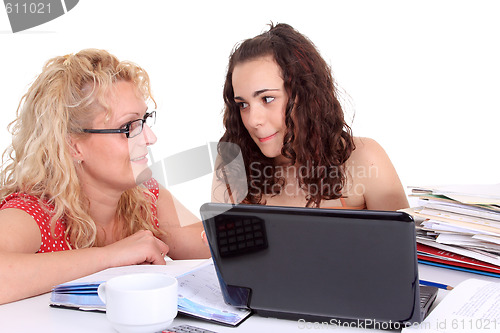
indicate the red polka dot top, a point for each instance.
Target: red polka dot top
{"x":42,"y":212}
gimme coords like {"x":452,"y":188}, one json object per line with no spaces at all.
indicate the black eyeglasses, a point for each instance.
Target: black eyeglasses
{"x":131,"y":129}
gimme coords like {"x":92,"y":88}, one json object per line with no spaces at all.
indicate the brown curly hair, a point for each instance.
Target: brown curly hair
{"x":317,"y":137}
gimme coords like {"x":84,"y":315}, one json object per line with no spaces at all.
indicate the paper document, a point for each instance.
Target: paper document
{"x":488,"y":194}
{"x":200,"y":296}
{"x":472,"y":306}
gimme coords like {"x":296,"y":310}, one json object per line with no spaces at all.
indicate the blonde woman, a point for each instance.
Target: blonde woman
{"x":76,"y":193}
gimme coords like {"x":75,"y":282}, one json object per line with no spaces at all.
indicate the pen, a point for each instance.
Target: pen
{"x":434,"y":284}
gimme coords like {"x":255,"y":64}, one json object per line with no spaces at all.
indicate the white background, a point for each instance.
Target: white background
{"x":420,"y":77}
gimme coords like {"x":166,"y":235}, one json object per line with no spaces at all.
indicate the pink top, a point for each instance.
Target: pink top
{"x":42,"y":214}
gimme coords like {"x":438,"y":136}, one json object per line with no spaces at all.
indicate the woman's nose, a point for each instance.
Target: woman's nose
{"x":149,"y":136}
{"x":256,"y":116}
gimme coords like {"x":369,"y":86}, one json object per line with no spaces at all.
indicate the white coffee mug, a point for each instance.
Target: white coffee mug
{"x":142,"y":302}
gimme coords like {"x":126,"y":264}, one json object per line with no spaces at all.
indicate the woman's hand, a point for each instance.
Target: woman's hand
{"x":140,"y":248}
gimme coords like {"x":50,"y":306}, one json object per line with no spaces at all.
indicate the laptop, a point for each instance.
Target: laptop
{"x":339,"y":266}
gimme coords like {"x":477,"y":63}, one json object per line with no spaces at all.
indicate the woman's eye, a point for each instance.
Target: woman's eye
{"x":268,"y":99}
{"x":134,"y":125}
{"x":126,"y":125}
{"x":242,"y":105}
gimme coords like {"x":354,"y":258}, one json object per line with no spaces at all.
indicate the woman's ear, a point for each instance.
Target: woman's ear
{"x":75,"y":149}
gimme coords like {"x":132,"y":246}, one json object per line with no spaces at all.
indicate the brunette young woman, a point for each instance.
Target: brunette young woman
{"x":282,"y":110}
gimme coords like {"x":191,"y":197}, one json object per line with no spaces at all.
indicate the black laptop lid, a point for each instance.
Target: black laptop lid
{"x":315,"y":263}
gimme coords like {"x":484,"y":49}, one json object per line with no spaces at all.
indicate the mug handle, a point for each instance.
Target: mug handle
{"x":101,"y":291}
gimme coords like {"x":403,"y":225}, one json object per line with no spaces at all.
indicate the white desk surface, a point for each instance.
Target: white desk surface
{"x":35,"y":315}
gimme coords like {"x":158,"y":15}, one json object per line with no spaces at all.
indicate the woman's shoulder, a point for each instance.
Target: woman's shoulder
{"x":364,"y":143}
{"x":367,"y":151}
{"x":371,"y":170}
{"x":40,"y":210}
{"x":21,"y":209}
{"x":368,"y":162}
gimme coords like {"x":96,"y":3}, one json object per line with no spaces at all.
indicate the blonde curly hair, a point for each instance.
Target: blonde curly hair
{"x":61,"y":102}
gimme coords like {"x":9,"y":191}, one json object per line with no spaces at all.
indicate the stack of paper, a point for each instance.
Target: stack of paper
{"x":459,"y":227}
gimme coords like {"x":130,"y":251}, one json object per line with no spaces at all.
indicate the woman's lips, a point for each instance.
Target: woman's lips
{"x":267,"y":138}
{"x":141,"y":159}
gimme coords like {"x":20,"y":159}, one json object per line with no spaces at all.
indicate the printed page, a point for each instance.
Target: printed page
{"x":200,"y":296}
{"x":472,"y":306}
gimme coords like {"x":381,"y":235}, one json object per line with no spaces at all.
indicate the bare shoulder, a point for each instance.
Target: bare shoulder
{"x":368,"y":154}
{"x":367,"y":149}
{"x":372,"y":170}
{"x":364,"y":143}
